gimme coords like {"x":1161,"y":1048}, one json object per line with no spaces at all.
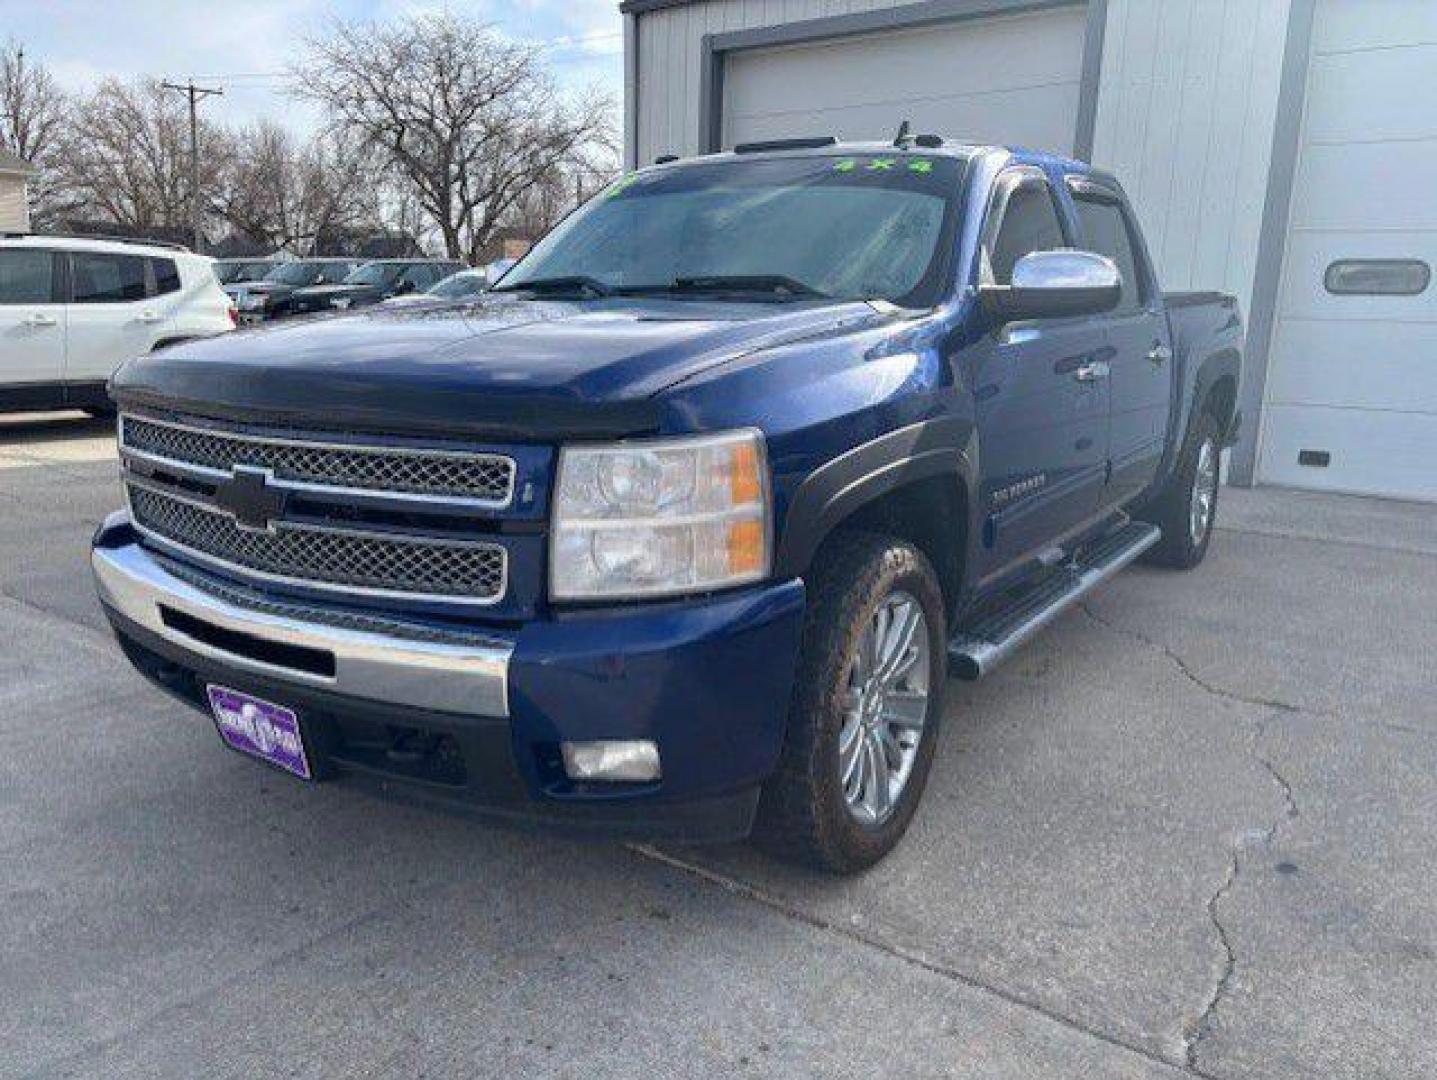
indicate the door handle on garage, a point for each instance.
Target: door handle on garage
{"x":1160,"y":353}
{"x":42,"y":320}
{"x":1092,"y":371}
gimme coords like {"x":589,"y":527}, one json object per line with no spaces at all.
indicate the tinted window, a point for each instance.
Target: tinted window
{"x":1029,"y":223}
{"x":167,"y":276}
{"x":108,"y":279}
{"x":26,"y":276}
{"x":1105,"y":230}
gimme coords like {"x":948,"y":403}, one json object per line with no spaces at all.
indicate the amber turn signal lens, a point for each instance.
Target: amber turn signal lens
{"x":745,"y":547}
{"x":745,"y":484}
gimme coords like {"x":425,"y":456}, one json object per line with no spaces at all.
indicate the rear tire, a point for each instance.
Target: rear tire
{"x":861,"y":731}
{"x":1186,"y":509}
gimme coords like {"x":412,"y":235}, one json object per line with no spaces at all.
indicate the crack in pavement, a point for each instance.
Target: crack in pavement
{"x":1201,"y":1026}
{"x":904,"y":955}
{"x":1185,"y":669}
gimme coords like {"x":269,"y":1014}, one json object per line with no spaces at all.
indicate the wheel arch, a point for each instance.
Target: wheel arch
{"x":915,"y":483}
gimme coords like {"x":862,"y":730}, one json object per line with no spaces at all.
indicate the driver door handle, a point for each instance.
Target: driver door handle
{"x":151,"y":317}
{"x":1160,"y":353}
{"x":39,"y":319}
{"x":1093,"y":371}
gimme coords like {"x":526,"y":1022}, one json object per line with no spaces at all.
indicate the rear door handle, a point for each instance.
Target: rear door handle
{"x":151,"y":317}
{"x":42,"y":320}
{"x":1093,"y":371}
{"x":1160,"y":353}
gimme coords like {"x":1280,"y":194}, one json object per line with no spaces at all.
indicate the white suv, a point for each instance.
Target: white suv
{"x":73,"y":309}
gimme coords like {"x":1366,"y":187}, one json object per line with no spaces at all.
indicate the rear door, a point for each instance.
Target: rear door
{"x":1042,"y":414}
{"x":32,"y":317}
{"x":112,"y":317}
{"x":1140,"y":366}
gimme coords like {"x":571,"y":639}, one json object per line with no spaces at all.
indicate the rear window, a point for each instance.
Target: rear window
{"x":26,"y":276}
{"x":1106,"y":231}
{"x":166,"y":275}
{"x":102,"y":278}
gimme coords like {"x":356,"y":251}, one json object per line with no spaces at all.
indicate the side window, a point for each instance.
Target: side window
{"x":27,"y":276}
{"x":166,"y":275}
{"x":1106,"y":231}
{"x":108,"y":279}
{"x":1028,"y":222}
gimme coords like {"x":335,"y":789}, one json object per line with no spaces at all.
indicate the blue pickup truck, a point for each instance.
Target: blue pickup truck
{"x":681,"y":530}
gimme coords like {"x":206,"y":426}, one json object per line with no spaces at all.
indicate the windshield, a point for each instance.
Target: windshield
{"x":296,"y":273}
{"x":455,"y":286}
{"x":231,"y":272}
{"x":374,"y":274}
{"x":865,"y":226}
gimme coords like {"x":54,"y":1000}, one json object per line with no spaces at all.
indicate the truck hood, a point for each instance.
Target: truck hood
{"x":500,"y":366}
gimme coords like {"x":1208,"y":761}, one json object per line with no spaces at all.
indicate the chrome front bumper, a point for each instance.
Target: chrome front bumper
{"x":471,"y":679}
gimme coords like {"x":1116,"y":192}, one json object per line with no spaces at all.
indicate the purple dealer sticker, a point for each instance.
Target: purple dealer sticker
{"x":259,"y":728}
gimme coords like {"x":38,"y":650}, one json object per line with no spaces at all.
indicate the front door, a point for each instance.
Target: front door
{"x":32,"y":321}
{"x":1041,"y":399}
{"x":1141,"y":367}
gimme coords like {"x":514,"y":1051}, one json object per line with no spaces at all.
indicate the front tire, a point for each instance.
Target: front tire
{"x":866,"y":707}
{"x":1186,"y":509}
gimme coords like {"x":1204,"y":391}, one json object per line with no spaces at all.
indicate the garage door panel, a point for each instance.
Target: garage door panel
{"x":1356,"y":365}
{"x":1352,"y":378}
{"x":1373,"y":24}
{"x":1036,"y":118}
{"x":1374,"y":95}
{"x":1309,"y":254}
{"x":999,"y":54}
{"x":1371,"y":453}
{"x":1366,"y":186}
{"x":1004,"y":79}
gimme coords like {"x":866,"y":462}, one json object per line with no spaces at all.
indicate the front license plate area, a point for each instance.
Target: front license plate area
{"x":260,"y":728}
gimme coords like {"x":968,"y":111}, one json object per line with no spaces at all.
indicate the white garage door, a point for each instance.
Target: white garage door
{"x":1008,"y":79}
{"x":1352,"y":383}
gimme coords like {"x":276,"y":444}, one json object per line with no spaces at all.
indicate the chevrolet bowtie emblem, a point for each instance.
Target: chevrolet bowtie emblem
{"x":248,"y":497}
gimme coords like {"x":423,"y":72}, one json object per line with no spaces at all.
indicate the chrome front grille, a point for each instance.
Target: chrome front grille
{"x":485,"y":478}
{"x":346,"y":519}
{"x":369,"y":562}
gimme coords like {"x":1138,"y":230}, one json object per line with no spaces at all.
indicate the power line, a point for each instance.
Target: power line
{"x":195,"y":94}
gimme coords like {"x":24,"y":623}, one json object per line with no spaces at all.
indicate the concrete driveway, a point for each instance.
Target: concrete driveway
{"x":1193,"y":829}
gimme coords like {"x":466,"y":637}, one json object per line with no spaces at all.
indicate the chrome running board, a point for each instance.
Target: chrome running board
{"x":981,"y":646}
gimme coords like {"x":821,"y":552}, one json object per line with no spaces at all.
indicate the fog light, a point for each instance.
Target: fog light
{"x":628,"y":759}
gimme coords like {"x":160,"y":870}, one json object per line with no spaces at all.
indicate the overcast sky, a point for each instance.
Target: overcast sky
{"x":244,"y":45}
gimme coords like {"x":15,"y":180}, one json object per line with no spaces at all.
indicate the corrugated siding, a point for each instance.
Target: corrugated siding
{"x":670,"y":44}
{"x":1186,"y":107}
{"x":14,"y":213}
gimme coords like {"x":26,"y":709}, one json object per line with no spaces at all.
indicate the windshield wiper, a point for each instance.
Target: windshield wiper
{"x":774,"y":284}
{"x":571,"y":283}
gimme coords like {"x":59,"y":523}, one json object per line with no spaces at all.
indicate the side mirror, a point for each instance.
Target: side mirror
{"x":405,"y":286}
{"x":1053,"y":284}
{"x":320,"y":279}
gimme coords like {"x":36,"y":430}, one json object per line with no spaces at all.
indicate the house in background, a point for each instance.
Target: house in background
{"x":14,"y":200}
{"x":1280,"y":150}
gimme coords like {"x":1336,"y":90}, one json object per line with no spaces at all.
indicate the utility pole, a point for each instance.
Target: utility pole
{"x":194,"y":93}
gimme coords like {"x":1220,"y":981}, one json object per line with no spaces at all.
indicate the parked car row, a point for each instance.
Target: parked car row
{"x":307,"y":286}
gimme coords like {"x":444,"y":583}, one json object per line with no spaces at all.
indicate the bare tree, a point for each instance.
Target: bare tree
{"x":284,"y":194}
{"x":469,"y":119}
{"x":33,"y":112}
{"x":125,"y":158}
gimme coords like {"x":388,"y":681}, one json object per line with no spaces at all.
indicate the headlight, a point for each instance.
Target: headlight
{"x":660,"y":517}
